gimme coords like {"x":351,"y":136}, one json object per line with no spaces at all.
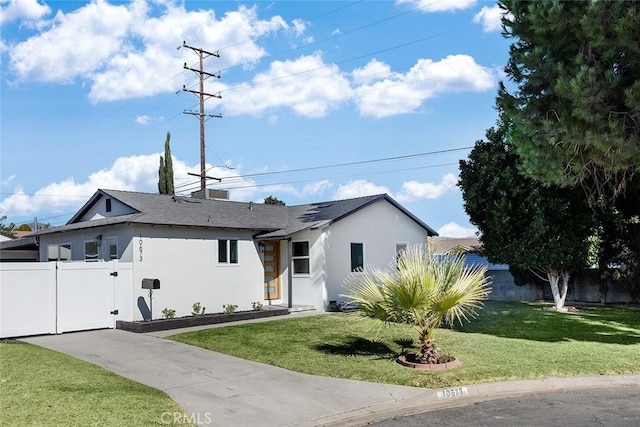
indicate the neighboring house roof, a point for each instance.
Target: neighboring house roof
{"x":6,"y":236}
{"x":472,"y":248}
{"x":444,"y":245}
{"x":23,"y":243}
{"x":19,"y":233}
{"x":318,"y":215}
{"x":472,"y":259}
{"x":271,"y":221}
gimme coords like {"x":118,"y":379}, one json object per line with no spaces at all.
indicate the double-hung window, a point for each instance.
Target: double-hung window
{"x":227,"y":251}
{"x":90,"y":250}
{"x":300,"y":257}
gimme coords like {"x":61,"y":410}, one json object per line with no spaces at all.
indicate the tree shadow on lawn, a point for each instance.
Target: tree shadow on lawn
{"x":536,"y":322}
{"x":358,"y":346}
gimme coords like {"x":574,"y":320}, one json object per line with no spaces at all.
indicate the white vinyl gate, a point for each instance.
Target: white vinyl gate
{"x":57,"y":297}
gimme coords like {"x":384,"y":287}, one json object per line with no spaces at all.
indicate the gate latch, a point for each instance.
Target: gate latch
{"x":115,"y":312}
{"x":114,"y":274}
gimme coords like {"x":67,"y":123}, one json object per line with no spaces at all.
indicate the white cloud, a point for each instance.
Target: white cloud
{"x":121,"y":52}
{"x":396,"y":93}
{"x":143,"y":120}
{"x":77,"y":43}
{"x":134,"y":173}
{"x":438,"y":5}
{"x":373,"y":71}
{"x":490,"y":17}
{"x":307,"y":85}
{"x":13,"y":10}
{"x":359,"y":188}
{"x":6,"y":182}
{"x":317,"y":187}
{"x":299,"y":26}
{"x":116,"y":47}
{"x":412,"y":190}
{"x":453,"y":229}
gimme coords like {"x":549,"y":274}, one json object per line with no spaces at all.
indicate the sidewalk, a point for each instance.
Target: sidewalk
{"x":233,"y":391}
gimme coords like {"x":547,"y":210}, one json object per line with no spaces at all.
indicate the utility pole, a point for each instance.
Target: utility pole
{"x":203,"y":96}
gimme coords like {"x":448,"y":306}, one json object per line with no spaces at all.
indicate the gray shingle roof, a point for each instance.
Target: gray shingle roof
{"x":160,"y":209}
{"x":271,"y":221}
{"x":316,"y":215}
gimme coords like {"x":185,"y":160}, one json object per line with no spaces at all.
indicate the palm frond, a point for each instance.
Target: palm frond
{"x":420,"y":288}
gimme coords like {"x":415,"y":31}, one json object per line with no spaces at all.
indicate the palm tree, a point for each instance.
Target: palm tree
{"x":422,"y":289}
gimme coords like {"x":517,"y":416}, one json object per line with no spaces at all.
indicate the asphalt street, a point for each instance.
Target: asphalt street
{"x":613,"y":406}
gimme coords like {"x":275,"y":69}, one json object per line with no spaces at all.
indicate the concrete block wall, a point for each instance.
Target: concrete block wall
{"x":584,"y":288}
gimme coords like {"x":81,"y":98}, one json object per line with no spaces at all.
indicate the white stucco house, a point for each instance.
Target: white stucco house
{"x":222,"y":252}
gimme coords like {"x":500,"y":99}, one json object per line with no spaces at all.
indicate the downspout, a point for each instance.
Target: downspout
{"x":289,"y":275}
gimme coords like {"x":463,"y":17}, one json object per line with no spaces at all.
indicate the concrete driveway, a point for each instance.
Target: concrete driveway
{"x":216,"y":389}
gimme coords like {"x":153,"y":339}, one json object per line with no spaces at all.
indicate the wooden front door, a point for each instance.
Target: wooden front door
{"x":271,"y":262}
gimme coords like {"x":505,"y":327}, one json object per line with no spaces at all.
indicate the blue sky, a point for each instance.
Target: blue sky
{"x":321,"y":100}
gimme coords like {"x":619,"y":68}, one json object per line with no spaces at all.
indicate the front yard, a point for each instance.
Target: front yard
{"x":508,"y":341}
{"x":41,"y":387}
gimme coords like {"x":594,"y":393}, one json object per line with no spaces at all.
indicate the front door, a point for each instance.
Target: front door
{"x":271,"y":262}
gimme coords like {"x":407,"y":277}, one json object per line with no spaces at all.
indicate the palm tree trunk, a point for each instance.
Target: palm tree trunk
{"x":428,"y":352}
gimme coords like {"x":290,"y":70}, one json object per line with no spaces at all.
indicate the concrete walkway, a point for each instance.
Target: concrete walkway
{"x":223,"y":390}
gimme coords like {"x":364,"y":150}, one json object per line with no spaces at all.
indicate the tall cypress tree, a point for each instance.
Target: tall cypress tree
{"x":165,"y":172}
{"x":162,"y":177}
{"x":168,"y":165}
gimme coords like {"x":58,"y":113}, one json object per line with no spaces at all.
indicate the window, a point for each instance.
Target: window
{"x":357,"y":256}
{"x":400,"y":248}
{"x":227,"y":251}
{"x":90,"y":250}
{"x":300,"y":257}
{"x":107,"y":205}
{"x":59,"y":252}
{"x":112,"y":245}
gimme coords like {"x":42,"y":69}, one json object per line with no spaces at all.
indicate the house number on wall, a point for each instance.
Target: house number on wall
{"x":140,"y":242}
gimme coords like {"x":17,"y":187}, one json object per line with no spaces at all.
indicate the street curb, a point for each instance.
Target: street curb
{"x":435,"y":399}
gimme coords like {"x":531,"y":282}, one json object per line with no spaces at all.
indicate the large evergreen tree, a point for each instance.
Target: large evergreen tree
{"x":575,"y":108}
{"x":529,"y":226}
{"x":165,"y":171}
{"x":574,"y":111}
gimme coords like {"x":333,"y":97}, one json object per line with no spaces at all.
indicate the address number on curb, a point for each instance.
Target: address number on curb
{"x":452,"y":392}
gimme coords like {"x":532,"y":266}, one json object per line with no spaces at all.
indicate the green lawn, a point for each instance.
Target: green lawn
{"x":508,"y":341}
{"x":43,"y":387}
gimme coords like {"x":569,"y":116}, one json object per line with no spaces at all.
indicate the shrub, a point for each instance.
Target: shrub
{"x":256,"y":306}
{"x":229,"y":308}
{"x":198,"y":310}
{"x":168,"y":313}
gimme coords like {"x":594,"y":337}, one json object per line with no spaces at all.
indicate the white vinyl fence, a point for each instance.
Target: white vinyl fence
{"x":56,"y":297}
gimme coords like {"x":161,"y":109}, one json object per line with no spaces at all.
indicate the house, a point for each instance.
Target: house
{"x":18,"y":247}
{"x":219,"y":252}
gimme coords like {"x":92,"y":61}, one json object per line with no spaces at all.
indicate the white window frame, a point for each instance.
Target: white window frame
{"x":58,"y":251}
{"x":228,"y":246}
{"x":96,"y":257}
{"x":398,"y":251}
{"x":111,"y":241}
{"x":295,"y":258}
{"x":351,"y":269}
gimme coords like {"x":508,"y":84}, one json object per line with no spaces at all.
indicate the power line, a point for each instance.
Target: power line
{"x":238,"y":178}
{"x":331,"y":177}
{"x":361,"y":162}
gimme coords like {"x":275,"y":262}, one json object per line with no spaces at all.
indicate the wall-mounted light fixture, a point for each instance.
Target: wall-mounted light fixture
{"x":261,"y":246}
{"x":98,"y":240}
